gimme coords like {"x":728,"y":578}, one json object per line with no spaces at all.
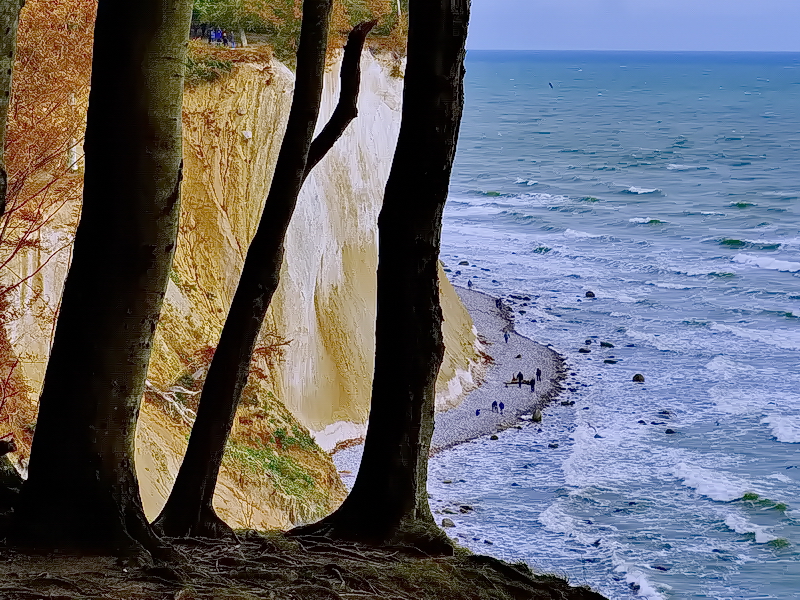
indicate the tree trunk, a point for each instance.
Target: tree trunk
{"x":242,"y":38}
{"x":189,"y":509}
{"x":82,"y":492}
{"x":9,"y":20}
{"x":389,"y":503}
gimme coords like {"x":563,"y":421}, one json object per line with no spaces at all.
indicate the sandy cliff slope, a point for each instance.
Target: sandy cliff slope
{"x":312,"y":374}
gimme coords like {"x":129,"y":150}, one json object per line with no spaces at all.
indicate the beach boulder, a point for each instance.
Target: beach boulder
{"x":448,"y":523}
{"x":590,"y":294}
{"x":584,"y":350}
{"x":537,"y":416}
{"x":606,"y":345}
{"x":638,"y":378}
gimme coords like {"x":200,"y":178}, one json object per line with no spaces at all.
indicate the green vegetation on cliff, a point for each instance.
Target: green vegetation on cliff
{"x":277,"y":22}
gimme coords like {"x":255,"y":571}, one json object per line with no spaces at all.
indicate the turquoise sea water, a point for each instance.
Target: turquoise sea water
{"x":669,"y":185}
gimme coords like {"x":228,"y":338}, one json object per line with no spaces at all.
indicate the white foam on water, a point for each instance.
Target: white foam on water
{"x":639,"y":220}
{"x":712,"y":213}
{"x":784,"y":429}
{"x":741,"y":525}
{"x":640,"y":190}
{"x":782,"y":338}
{"x":781,"y":194}
{"x":520,"y":180}
{"x":638,"y":581}
{"x":709,"y":483}
{"x":674,"y":167}
{"x":660,"y":342}
{"x":765,"y":262}
{"x":735,"y":401}
{"x":556,"y":519}
{"x":571,"y":233}
{"x":781,"y":477}
{"x":669,"y":286}
{"x":728,"y":368}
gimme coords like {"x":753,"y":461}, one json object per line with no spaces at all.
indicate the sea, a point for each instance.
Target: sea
{"x":668,"y":184}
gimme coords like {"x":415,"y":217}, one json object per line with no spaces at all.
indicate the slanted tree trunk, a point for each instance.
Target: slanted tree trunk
{"x":82,"y":492}
{"x":9,"y":20}
{"x":389,"y":503}
{"x":189,"y":509}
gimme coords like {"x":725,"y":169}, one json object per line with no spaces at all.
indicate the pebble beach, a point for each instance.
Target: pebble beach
{"x":492,"y":319}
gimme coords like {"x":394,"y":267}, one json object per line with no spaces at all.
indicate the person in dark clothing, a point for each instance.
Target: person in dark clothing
{"x":505,"y":336}
{"x":469,"y":284}
{"x":520,"y":377}
{"x":538,"y":374}
{"x":494,"y":406}
{"x":224,"y":38}
{"x":533,"y":384}
{"x":502,"y":406}
{"x":478,"y":413}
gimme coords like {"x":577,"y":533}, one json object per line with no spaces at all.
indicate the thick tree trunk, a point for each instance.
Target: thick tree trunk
{"x":189,"y":509}
{"x":9,"y":20}
{"x":389,"y":501}
{"x":82,"y":492}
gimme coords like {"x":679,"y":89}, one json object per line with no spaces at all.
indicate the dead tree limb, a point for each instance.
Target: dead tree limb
{"x":347,"y":108}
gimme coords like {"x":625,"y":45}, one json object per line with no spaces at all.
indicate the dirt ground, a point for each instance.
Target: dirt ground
{"x":272,"y":566}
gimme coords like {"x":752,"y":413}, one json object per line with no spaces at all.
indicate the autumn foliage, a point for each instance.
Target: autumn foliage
{"x":43,"y":151}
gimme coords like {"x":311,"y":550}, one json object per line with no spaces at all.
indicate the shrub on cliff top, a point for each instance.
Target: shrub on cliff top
{"x":279,"y":21}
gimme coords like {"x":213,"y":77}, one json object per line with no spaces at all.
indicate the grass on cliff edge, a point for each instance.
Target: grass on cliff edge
{"x":273,"y":566}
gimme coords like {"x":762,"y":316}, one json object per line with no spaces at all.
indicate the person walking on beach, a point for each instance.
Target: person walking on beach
{"x":520,"y":378}
{"x":505,"y":336}
{"x":533,"y":384}
{"x":478,"y":413}
{"x":502,"y":406}
{"x":469,"y":284}
{"x":538,"y":374}
{"x":494,"y":406}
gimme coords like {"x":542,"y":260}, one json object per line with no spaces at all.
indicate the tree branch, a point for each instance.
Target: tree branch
{"x":346,"y":109}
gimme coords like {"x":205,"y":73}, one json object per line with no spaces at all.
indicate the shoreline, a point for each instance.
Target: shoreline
{"x":460,"y":424}
{"x":519,"y":354}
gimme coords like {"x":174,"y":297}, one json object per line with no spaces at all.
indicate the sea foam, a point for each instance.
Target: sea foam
{"x":640,"y":190}
{"x":784,"y":429}
{"x":741,"y":525}
{"x":711,"y":484}
{"x":765,"y":262}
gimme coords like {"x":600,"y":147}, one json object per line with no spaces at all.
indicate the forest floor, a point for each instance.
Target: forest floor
{"x":272,"y":566}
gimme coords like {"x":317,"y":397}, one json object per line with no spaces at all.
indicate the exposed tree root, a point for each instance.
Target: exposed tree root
{"x":274,"y":566}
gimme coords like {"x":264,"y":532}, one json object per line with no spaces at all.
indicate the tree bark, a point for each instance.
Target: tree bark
{"x":9,"y":20}
{"x":82,"y":492}
{"x":389,"y":503}
{"x":189,"y":509}
{"x":347,"y":108}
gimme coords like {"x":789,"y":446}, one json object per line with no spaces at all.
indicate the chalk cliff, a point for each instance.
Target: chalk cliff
{"x":312,"y":373}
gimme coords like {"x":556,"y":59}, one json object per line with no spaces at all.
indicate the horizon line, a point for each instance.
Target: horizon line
{"x":628,"y":50}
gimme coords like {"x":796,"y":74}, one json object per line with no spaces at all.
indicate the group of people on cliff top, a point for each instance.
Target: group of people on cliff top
{"x":214,"y":35}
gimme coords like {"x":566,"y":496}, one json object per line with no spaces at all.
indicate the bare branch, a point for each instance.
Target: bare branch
{"x":346,"y":110}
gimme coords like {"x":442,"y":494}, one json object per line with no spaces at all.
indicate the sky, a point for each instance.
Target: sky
{"x":694,"y":25}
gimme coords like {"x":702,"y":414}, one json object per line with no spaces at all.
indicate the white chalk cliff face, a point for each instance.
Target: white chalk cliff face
{"x":325,"y":305}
